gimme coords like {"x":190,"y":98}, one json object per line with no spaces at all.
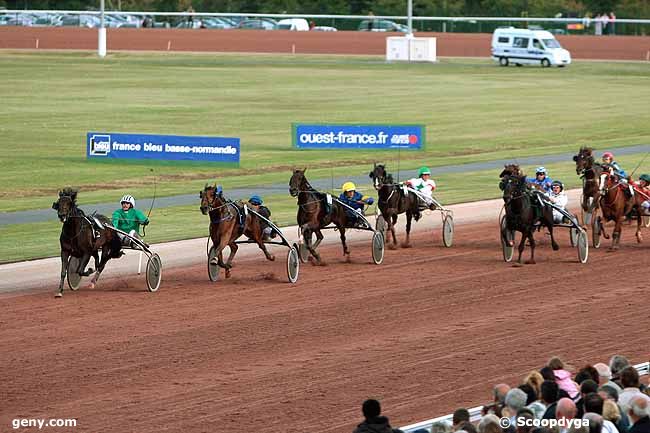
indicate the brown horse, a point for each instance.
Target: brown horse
{"x":524,"y":214}
{"x":615,"y":204}
{"x":314,"y":213}
{"x":392,"y":201}
{"x":81,"y":237}
{"x":589,"y":171}
{"x":228,"y":222}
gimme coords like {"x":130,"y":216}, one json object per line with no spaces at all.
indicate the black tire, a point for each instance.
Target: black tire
{"x":448,"y":231}
{"x":595,"y":231}
{"x":503,"y":61}
{"x":74,"y":279}
{"x":546,"y":63}
{"x":508,"y":251}
{"x":213,"y":270}
{"x":293,"y":264}
{"x":573,"y":236}
{"x":154,"y":272}
{"x":377,"y":247}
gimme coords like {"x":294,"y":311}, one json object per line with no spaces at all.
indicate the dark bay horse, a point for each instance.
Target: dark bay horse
{"x":228,"y":222}
{"x":590,"y":172}
{"x":511,"y":170}
{"x":78,"y":238}
{"x":392,"y":201}
{"x":523,"y":213}
{"x":614,"y":205}
{"x":314,"y":213}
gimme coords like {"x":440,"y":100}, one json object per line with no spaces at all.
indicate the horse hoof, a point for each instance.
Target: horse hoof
{"x":91,"y":286}
{"x":405,"y":245}
{"x":272,"y":258}
{"x":612,"y":249}
{"x":58,"y":295}
{"x":392,"y":246}
{"x":228,"y":273}
{"x":556,"y":247}
{"x":517,"y":265}
{"x":530,"y":262}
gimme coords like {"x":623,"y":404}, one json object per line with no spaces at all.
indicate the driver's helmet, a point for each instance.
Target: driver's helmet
{"x":558,"y":183}
{"x":256,"y":200}
{"x":541,"y":170}
{"x":349,"y":186}
{"x":645,"y":178}
{"x":128,"y":199}
{"x":423,"y":170}
{"x":608,"y":155}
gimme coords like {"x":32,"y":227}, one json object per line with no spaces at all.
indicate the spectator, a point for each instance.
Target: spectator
{"x":630,"y":382}
{"x":523,"y":415}
{"x":587,"y":387}
{"x":549,"y":397}
{"x":612,"y":23}
{"x":563,"y":377}
{"x":515,"y":400}
{"x":374,"y":423}
{"x":538,"y":408}
{"x":610,"y":395}
{"x":535,"y":380}
{"x":639,"y":414}
{"x":598,"y":25}
{"x":486,"y":423}
{"x":460,"y":416}
{"x":587,"y":372}
{"x":605,"y":376}
{"x":594,"y":404}
{"x":499,"y":397}
{"x":441,"y":427}
{"x":616,"y":364}
{"x":547,"y":373}
{"x":467,"y":427}
{"x":566,"y":409}
{"x":595,"y":422}
{"x":612,"y":414}
{"x":605,"y":18}
{"x":312,"y":24}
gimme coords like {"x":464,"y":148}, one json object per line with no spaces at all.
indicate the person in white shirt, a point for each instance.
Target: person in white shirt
{"x":424,"y":186}
{"x":558,"y":197}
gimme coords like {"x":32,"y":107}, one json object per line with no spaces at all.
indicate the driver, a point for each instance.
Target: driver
{"x":128,"y":219}
{"x":357,"y":201}
{"x":541,"y":180}
{"x":559,"y":198}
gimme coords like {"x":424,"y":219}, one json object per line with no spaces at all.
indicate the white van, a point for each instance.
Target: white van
{"x":528,"y":47}
{"x":295,"y":24}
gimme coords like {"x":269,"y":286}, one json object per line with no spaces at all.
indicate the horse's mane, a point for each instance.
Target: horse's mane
{"x":585,"y":150}
{"x":69,"y":192}
{"x":511,"y":170}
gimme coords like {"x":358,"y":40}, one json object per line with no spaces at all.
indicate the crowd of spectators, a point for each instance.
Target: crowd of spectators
{"x":611,"y":397}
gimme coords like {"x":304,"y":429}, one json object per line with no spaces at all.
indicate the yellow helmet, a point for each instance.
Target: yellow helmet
{"x":348,"y":186}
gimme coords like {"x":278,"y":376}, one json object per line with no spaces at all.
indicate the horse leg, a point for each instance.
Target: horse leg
{"x":616,"y":235}
{"x":81,"y":270}
{"x":549,"y":224}
{"x":639,"y":222}
{"x":306,"y":235}
{"x":346,"y":250}
{"x":106,"y":256}
{"x":65,"y":257}
{"x":262,"y":245}
{"x":522,"y":246}
{"x":601,"y":225}
{"x":532,"y":248}
{"x":233,"y":250}
{"x":407,"y":242}
{"x":319,"y":238}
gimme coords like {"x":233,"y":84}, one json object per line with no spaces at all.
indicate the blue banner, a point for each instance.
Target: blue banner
{"x":358,"y":136}
{"x":168,"y":147}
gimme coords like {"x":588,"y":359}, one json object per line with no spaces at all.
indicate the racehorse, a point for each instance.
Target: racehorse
{"x":82,"y":238}
{"x":314,"y":213}
{"x":590,"y":172}
{"x":524,"y":212}
{"x":228,"y":222}
{"x":614,"y":205}
{"x":392,"y":201}
{"x":511,"y":170}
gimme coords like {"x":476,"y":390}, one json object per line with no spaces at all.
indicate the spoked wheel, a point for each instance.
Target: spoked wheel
{"x":293,"y":264}
{"x":508,"y":250}
{"x":74,"y":279}
{"x":377,"y":247}
{"x":583,"y":246}
{"x":213,"y":269}
{"x":154,"y":272}
{"x":596,"y":229}
{"x":448,"y":231}
{"x":646,"y":221}
{"x":573,"y":236}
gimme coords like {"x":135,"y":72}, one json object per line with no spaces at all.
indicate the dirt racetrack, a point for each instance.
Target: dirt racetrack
{"x":429,"y":330}
{"x":257,"y":41}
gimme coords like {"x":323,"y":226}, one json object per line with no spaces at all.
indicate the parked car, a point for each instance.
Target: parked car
{"x":382,"y":26}
{"x":324,"y":29}
{"x":294,"y":24}
{"x":260,"y":24}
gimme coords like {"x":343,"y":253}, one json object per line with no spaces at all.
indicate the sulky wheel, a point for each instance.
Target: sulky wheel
{"x":213,"y":269}
{"x":293,"y":264}
{"x":74,"y":279}
{"x":508,"y":251}
{"x":596,"y":230}
{"x":583,"y":246}
{"x":154,"y":272}
{"x":448,"y":231}
{"x":377,"y":247}
{"x":573,"y":236}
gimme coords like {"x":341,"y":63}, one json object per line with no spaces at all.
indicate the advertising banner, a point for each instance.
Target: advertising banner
{"x":316,"y":136}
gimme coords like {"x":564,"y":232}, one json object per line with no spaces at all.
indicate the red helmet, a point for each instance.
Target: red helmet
{"x":608,"y":155}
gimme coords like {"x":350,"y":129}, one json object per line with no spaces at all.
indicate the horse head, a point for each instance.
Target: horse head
{"x":584,"y":160}
{"x":379,"y":176}
{"x":511,"y":170}
{"x":513,"y":186}
{"x":298,"y":182}
{"x":608,"y":179}
{"x":66,"y":204}
{"x":209,"y":197}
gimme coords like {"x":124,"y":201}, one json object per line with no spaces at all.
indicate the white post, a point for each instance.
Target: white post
{"x":101,"y":36}
{"x":409,"y":13}
{"x":140,"y":263}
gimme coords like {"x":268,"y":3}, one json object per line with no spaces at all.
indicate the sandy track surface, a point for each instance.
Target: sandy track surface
{"x":429,"y":330}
